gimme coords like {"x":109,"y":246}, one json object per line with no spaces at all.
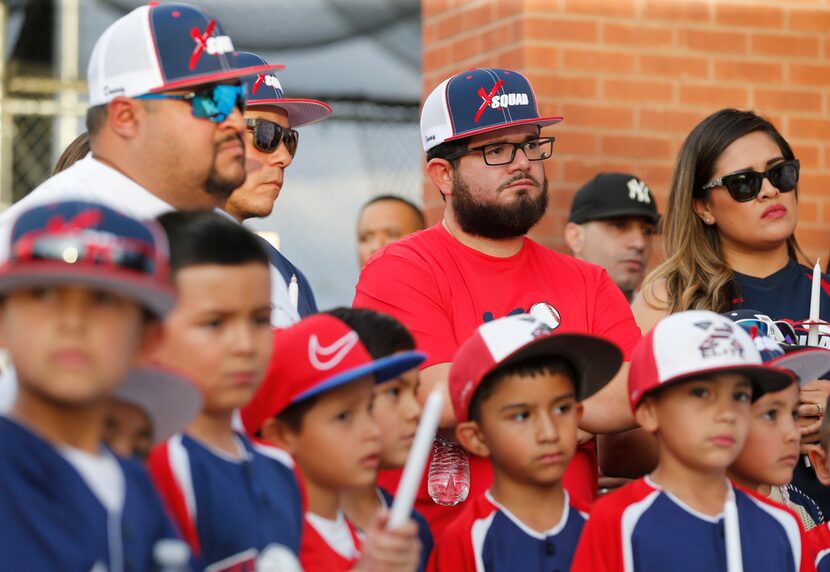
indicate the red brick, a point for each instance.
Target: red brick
{"x":597,"y":60}
{"x":813,"y":238}
{"x":611,"y":117}
{"x":730,"y":43}
{"x":670,"y":121}
{"x":808,"y":209}
{"x":811,"y":183}
{"x":826,"y":157}
{"x":658,"y":178}
{"x":634,"y":36}
{"x":435,"y":59}
{"x":605,"y":8}
{"x":787,"y":100}
{"x":807,"y":74}
{"x":559,"y":85}
{"x":638,"y":90}
{"x":448,"y":26}
{"x":809,"y":128}
{"x":713,"y":96}
{"x":749,"y":15}
{"x":635,"y":146}
{"x":506,"y":33}
{"x":512,"y":58}
{"x":809,"y":155}
{"x":561,"y":30}
{"x":542,"y":57}
{"x":755,"y":72}
{"x":505,"y":8}
{"x":569,"y":142}
{"x":674,"y":66}
{"x":811,"y":20}
{"x":693,"y":11}
{"x":580,"y":171}
{"x":785,"y":46}
{"x":467,"y":48}
{"x":476,"y":16}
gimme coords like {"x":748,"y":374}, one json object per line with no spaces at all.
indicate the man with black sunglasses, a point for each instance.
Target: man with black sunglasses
{"x":270,"y":144}
{"x":165,"y":123}
{"x":485,"y":154}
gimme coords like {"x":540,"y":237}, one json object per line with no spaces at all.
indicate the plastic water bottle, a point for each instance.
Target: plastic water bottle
{"x":448,"y":481}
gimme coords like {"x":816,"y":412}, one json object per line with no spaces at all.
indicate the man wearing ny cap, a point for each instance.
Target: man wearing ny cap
{"x":612,"y":223}
{"x":485,"y":153}
{"x":271,"y":140}
{"x":165,"y":122}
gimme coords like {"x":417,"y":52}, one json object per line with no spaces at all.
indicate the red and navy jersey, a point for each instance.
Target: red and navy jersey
{"x":227,"y":507}
{"x":488,"y":537}
{"x":644,"y":528}
{"x":819,"y":539}
{"x":317,"y":555}
{"x":424,"y":533}
{"x":442,"y":290}
{"x":51,"y":520}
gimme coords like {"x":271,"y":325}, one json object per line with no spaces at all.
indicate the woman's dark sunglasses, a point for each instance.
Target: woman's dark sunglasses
{"x":268,"y":135}
{"x":746,"y":185}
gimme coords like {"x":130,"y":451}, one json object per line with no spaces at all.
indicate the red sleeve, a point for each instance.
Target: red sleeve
{"x":612,"y":318}
{"x":161,"y":472}
{"x":407,"y":289}
{"x":453,"y":552}
{"x":600,"y":545}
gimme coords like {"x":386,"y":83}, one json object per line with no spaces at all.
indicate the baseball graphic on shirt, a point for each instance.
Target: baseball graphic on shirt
{"x":277,"y":558}
{"x":546,"y":314}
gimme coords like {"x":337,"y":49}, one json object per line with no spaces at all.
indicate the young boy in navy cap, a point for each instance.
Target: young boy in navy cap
{"x":516,"y":389}
{"x":316,"y":403}
{"x":691,"y":384}
{"x":82,"y":292}
{"x":237,"y":506}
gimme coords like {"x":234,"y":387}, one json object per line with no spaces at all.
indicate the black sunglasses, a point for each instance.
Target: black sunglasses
{"x":746,"y":185}
{"x":268,"y":135}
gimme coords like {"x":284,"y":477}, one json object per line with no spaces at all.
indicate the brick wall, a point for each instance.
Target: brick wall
{"x":632,"y":77}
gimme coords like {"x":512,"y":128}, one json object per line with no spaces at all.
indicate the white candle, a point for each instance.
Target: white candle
{"x":415,"y":463}
{"x":815,"y":302}
{"x":294,"y":292}
{"x":732,"y":534}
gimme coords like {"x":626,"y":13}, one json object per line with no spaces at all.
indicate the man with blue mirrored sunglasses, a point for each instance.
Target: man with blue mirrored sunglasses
{"x":165,"y":120}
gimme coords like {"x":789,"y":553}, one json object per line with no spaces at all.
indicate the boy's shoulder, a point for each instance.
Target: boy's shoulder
{"x":616,"y":502}
{"x":818,"y":538}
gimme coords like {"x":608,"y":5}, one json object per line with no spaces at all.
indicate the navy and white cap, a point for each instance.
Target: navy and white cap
{"x":161,"y":47}
{"x":265,"y":90}
{"x":77,"y":242}
{"x":477,"y":101}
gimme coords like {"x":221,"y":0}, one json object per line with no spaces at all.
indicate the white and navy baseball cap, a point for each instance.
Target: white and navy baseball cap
{"x":695,"y":344}
{"x":511,"y":339}
{"x":265,"y":90}
{"x":477,"y":101}
{"x":160,"y":47}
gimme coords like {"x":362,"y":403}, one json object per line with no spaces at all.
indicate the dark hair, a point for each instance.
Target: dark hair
{"x":382,"y":334}
{"x":74,"y":152}
{"x":530,"y":367}
{"x":422,"y":223}
{"x":205,"y":237}
{"x":96,"y":117}
{"x":448,"y":149}
{"x":294,"y":414}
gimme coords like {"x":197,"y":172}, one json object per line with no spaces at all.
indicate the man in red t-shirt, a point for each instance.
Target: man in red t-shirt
{"x":481,"y":132}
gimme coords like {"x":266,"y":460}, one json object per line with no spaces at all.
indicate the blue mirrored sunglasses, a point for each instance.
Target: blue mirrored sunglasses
{"x":214,"y":103}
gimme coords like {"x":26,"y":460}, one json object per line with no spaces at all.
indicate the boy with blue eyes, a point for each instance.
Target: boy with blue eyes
{"x":516,"y":389}
{"x":238,"y":506}
{"x":691,"y":384}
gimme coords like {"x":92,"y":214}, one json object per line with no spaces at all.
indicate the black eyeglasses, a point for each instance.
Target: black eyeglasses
{"x":268,"y":135}
{"x":746,"y":185}
{"x":503,"y":153}
{"x":215,"y":103}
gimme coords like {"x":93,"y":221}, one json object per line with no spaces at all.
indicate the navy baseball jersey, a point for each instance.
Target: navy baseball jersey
{"x":50,"y":519}
{"x":487,"y":537}
{"x":819,"y":539}
{"x":424,"y":533}
{"x":643,"y":528}
{"x":230,"y":510}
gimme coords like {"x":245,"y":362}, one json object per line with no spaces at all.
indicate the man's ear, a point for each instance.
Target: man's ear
{"x":471,"y":438}
{"x":280,"y":434}
{"x":646,"y":414}
{"x":818,"y":458}
{"x":440,"y":172}
{"x":124,"y":115}
{"x":573,"y":238}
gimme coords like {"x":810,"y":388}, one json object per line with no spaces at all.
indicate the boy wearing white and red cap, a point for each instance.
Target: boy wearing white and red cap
{"x":316,"y":403}
{"x":692,"y":381}
{"x":516,"y":388}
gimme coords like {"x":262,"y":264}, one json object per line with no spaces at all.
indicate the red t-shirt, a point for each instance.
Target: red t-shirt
{"x":443,"y":290}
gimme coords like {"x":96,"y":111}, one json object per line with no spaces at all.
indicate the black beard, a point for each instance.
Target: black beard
{"x":221,"y":188}
{"x":498,"y":222}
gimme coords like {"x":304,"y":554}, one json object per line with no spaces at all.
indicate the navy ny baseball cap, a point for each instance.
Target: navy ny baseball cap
{"x":161,"y":47}
{"x":265,"y":90}
{"x":76,"y":242}
{"x":477,"y":101}
{"x":611,"y":195}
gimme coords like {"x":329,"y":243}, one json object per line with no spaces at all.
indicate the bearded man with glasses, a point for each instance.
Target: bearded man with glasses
{"x":486,"y":155}
{"x":165,"y":123}
{"x":271,"y":142}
